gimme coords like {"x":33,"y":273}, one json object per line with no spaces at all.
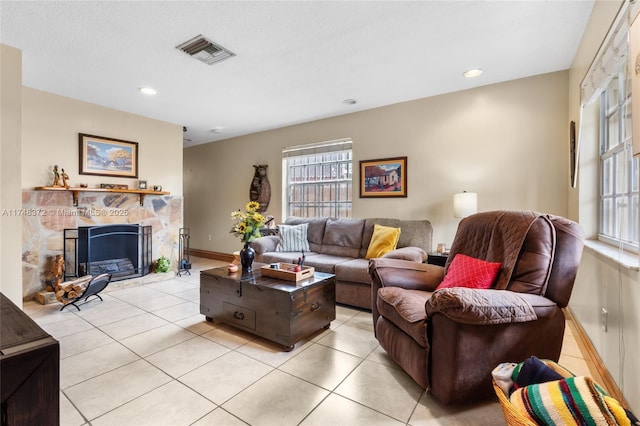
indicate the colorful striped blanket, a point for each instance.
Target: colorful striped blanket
{"x":570,"y":401}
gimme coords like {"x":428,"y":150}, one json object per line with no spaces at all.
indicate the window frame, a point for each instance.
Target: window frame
{"x":618,"y":191}
{"x":335,"y":180}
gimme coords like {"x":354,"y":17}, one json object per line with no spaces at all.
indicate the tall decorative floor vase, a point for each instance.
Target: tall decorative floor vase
{"x":246,"y":257}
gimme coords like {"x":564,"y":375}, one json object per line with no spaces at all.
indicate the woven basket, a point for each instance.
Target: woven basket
{"x":512,"y":415}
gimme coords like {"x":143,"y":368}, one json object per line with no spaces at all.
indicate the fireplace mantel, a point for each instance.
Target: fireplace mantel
{"x":75,"y":191}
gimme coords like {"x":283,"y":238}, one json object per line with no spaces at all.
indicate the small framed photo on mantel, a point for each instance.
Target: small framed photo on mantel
{"x":113,"y":186}
{"x":142,"y":184}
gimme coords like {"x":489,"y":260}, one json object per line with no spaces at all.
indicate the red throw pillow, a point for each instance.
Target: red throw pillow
{"x":466,"y":271}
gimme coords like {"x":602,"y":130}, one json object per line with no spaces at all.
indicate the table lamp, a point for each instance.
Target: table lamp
{"x":465,"y":204}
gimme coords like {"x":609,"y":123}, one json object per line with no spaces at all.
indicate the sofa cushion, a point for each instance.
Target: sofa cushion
{"x":355,"y":271}
{"x":315,"y":231}
{"x":293,"y":237}
{"x":343,"y":237}
{"x":466,"y":271}
{"x":405,"y":309}
{"x":326,"y":263}
{"x":285,"y":257}
{"x":384,"y":240}
{"x":415,"y":233}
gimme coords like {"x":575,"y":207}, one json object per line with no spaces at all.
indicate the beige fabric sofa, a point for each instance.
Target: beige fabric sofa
{"x":339,"y":246}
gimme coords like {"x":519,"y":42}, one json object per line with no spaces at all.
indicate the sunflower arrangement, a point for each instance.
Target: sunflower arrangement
{"x":248,"y":223}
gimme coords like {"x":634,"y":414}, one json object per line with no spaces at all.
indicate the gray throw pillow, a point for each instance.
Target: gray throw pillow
{"x":293,"y":237}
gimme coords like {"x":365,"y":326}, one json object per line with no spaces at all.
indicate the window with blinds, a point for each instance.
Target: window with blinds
{"x":318,"y":179}
{"x":608,"y":81}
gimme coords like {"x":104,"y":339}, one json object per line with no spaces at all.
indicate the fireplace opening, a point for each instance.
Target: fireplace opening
{"x":122,"y":250}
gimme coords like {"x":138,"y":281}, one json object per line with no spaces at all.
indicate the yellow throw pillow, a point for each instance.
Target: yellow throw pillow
{"x":383,"y":240}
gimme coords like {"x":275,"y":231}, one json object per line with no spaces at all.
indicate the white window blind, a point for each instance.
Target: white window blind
{"x":613,"y":51}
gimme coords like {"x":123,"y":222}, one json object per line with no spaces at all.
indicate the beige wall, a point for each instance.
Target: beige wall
{"x":602,"y":283}
{"x":10,"y":194}
{"x":51,"y":124}
{"x":508,"y":142}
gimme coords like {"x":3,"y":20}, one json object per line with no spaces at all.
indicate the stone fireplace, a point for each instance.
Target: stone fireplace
{"x":51,"y":212}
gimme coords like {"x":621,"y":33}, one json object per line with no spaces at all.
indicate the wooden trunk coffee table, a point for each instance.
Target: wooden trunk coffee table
{"x":281,"y":311}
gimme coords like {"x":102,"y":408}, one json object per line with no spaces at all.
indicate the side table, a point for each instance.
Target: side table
{"x":439,"y":259}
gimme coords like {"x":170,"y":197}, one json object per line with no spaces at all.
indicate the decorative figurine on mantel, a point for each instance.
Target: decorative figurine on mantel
{"x":65,"y":179}
{"x":56,"y":177}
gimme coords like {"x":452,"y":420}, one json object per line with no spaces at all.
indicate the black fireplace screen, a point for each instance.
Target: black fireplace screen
{"x":122,"y":250}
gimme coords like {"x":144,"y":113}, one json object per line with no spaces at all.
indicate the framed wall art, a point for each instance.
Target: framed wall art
{"x":385,"y":177}
{"x":102,"y":156}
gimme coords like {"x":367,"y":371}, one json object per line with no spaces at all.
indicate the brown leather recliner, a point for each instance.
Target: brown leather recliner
{"x":449,"y":340}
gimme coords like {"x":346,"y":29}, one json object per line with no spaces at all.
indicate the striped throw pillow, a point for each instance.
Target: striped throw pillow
{"x":293,"y":237}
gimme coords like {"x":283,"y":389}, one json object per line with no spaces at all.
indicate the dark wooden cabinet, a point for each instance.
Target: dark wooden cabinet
{"x":281,"y":311}
{"x":29,"y":370}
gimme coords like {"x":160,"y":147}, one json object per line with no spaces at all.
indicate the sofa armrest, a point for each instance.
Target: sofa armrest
{"x":476,"y":306}
{"x":413,"y":254}
{"x":265,"y":244}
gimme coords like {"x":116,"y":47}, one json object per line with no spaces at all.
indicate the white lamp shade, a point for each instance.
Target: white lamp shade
{"x":465,"y":204}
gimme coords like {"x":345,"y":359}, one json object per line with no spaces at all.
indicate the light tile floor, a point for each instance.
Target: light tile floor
{"x":145,"y":356}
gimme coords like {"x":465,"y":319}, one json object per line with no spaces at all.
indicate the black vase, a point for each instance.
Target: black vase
{"x":246,"y":257}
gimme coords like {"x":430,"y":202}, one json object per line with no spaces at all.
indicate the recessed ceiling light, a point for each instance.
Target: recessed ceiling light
{"x":472,"y":72}
{"x":148,"y":90}
{"x":349,"y":102}
{"x":217,"y":129}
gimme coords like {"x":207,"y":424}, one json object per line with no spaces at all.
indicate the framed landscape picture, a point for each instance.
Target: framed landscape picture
{"x":385,"y":177}
{"x":102,"y":156}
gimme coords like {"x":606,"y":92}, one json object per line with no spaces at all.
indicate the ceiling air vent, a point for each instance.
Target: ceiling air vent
{"x":205,"y":51}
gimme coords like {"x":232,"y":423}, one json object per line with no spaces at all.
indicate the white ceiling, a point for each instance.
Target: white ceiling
{"x":296,"y":61}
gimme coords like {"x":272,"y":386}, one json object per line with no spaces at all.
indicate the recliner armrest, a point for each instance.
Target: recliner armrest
{"x":265,"y":244}
{"x":476,"y":306}
{"x":405,"y":274}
